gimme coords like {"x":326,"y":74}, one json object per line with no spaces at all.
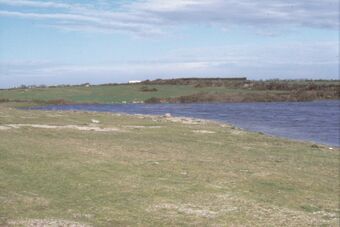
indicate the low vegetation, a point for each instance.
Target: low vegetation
{"x":178,"y":91}
{"x":148,"y":89}
{"x":243,"y":90}
{"x":104,"y":169}
{"x":236,"y":97}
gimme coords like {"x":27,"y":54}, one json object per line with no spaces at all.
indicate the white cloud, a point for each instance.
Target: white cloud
{"x":310,"y":13}
{"x":58,"y":16}
{"x":28,"y":3}
{"x":157,"y":16}
{"x":169,"y":6}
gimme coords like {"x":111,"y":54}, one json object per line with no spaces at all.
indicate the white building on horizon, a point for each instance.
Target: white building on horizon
{"x":134,"y":81}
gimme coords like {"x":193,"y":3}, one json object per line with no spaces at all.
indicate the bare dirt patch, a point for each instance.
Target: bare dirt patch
{"x":95,"y":121}
{"x":187,"y":209}
{"x":46,"y":223}
{"x":142,"y":127}
{"x":28,"y":117}
{"x":185,"y":120}
{"x":237,"y":132}
{"x":76,"y":127}
{"x":55,"y":115}
{"x":4,"y":128}
{"x":204,"y":132}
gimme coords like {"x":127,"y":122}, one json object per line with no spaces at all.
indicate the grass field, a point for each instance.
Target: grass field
{"x":104,"y":169}
{"x":103,"y":94}
{"x":195,"y":91}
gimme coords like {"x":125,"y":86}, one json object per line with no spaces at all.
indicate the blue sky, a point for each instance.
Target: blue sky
{"x":101,"y":41}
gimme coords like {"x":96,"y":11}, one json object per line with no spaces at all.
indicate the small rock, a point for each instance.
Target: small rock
{"x":167,"y":115}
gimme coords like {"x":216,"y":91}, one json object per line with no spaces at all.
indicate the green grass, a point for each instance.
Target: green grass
{"x":170,"y":175}
{"x":110,"y":94}
{"x":133,"y":93}
{"x":100,"y":94}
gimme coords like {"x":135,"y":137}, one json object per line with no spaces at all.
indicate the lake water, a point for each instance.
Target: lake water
{"x":317,"y":121}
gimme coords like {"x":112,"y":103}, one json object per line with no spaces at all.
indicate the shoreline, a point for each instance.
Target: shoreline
{"x":64,"y":102}
{"x":230,"y":125}
{"x":193,"y":120}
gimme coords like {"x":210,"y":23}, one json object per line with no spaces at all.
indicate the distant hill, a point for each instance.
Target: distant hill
{"x":195,"y":81}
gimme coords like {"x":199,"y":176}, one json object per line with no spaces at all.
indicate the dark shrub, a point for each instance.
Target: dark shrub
{"x":4,"y":100}
{"x":147,"y":89}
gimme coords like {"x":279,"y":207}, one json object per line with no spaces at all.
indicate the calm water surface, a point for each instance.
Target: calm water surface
{"x":311,"y":121}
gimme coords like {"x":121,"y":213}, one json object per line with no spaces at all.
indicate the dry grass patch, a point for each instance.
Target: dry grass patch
{"x":204,"y":131}
{"x":75,"y":127}
{"x":46,"y":223}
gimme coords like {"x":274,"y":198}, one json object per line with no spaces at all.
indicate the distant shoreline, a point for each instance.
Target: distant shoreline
{"x":188,"y":90}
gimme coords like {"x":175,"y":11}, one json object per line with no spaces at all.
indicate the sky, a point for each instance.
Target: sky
{"x":110,"y":41}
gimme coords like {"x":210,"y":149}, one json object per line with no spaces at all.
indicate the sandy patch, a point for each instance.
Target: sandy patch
{"x":28,"y":117}
{"x":76,"y":127}
{"x":54,"y":115}
{"x":141,"y":127}
{"x":186,"y":209}
{"x":237,"y":132}
{"x":46,"y":223}
{"x":185,"y":120}
{"x":204,"y":131}
{"x":169,"y":117}
{"x":4,"y":128}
